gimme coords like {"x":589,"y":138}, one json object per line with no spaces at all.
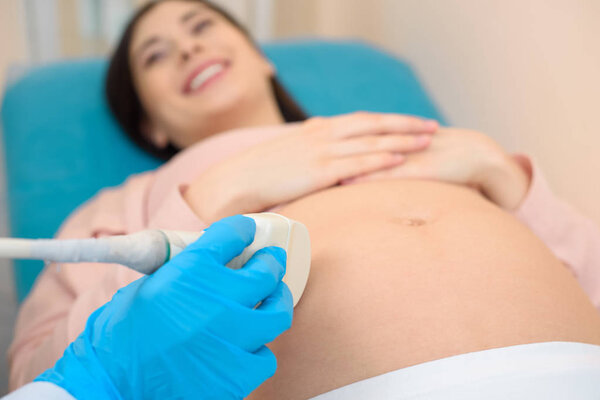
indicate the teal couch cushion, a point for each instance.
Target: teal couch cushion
{"x":62,"y":145}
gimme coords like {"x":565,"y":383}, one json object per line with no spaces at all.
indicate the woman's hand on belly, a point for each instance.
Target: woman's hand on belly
{"x":467,"y":158}
{"x":306,"y":157}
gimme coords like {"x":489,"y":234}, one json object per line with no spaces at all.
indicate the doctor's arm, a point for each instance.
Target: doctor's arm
{"x":193,"y":329}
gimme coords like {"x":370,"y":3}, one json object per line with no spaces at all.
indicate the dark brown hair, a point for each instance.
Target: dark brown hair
{"x":126,"y":106}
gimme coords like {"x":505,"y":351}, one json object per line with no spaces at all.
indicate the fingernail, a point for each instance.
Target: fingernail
{"x":423,"y":139}
{"x":431,"y":124}
{"x":398,"y":157}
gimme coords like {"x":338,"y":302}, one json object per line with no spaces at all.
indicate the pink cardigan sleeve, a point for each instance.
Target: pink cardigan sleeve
{"x":574,"y":239}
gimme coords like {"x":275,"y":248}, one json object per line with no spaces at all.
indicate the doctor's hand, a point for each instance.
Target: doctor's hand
{"x":188,"y":331}
{"x":306,"y":157}
{"x":464,"y":157}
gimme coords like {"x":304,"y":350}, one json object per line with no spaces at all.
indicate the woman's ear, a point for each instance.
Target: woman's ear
{"x":271,"y":68}
{"x":156,"y":135}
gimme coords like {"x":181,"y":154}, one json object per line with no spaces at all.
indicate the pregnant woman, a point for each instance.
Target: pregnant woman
{"x":434,"y":252}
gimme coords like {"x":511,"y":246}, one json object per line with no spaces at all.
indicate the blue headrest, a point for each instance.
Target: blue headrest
{"x":62,"y":144}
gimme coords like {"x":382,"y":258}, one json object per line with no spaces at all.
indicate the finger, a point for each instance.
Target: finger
{"x":250,"y":329}
{"x":260,"y":276}
{"x":405,"y":171}
{"x":264,"y":365}
{"x":366,"y":123}
{"x":279,"y":301}
{"x":374,"y":176}
{"x":360,"y":124}
{"x":225,"y":239}
{"x":398,"y":143}
{"x":246,"y":286}
{"x":348,"y":167}
{"x":278,"y":311}
{"x":241,"y":371}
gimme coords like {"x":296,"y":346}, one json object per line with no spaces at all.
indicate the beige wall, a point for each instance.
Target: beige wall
{"x":12,"y":36}
{"x":525,"y":72}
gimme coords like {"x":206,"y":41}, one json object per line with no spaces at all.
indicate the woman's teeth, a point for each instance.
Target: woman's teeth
{"x":205,"y":75}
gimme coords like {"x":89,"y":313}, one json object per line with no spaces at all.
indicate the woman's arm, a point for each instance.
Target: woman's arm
{"x":573,"y":238}
{"x":518,"y":185}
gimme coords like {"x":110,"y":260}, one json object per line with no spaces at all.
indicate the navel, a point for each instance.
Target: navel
{"x":413,"y":221}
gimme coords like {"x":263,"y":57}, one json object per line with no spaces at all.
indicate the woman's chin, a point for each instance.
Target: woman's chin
{"x":215,"y":104}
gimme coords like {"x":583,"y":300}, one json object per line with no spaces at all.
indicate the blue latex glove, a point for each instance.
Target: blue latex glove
{"x":188,"y":331}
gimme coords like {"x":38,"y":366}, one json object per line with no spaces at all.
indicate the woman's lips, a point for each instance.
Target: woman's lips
{"x":204,"y":75}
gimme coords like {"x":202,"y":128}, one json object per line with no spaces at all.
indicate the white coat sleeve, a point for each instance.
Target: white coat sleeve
{"x":39,"y":391}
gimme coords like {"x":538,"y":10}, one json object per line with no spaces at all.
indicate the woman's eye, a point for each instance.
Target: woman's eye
{"x":152,"y":59}
{"x":200,"y":26}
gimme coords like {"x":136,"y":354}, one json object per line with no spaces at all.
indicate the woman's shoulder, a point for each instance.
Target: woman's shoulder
{"x":113,"y":210}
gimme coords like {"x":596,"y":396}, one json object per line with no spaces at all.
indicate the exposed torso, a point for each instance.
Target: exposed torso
{"x":405,"y":272}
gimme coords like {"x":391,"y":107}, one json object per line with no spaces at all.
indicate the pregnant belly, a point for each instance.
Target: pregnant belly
{"x":405,"y":272}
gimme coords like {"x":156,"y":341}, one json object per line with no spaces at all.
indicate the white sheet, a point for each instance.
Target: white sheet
{"x":549,"y":371}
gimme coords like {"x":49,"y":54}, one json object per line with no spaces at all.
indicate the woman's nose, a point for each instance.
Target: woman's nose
{"x":189,"y":50}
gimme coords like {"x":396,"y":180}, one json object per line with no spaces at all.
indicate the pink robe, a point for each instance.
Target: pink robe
{"x":64,"y":296}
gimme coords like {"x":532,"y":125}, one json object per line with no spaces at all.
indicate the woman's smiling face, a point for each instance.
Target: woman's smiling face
{"x":195,"y":72}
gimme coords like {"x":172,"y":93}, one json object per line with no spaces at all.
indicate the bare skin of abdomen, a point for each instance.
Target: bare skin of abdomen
{"x":405,"y":272}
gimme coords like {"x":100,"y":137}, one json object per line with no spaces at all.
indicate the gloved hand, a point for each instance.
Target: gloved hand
{"x":188,"y":331}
